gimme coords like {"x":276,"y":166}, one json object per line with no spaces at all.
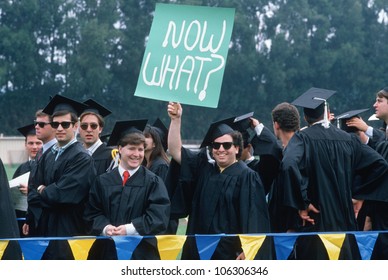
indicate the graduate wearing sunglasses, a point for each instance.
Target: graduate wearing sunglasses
{"x":91,"y":125}
{"x":60,"y":187}
{"x":225,"y":195}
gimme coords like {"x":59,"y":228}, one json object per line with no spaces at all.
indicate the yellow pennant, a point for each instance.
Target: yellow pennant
{"x":333,"y":244}
{"x":169,"y":246}
{"x":3,"y":246}
{"x":251,"y":245}
{"x":81,"y":247}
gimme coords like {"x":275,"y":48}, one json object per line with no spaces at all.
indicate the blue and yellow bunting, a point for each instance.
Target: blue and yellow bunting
{"x":169,"y":246}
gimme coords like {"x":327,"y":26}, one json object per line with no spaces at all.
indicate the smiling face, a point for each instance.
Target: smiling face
{"x":131,"y":156}
{"x":225,"y":157}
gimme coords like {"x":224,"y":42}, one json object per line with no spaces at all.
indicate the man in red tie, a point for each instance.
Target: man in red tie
{"x":118,"y":205}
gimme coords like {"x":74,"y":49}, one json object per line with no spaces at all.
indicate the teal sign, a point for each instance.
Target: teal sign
{"x":186,"y":52}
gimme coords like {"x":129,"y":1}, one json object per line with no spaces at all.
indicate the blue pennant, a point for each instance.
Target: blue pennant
{"x":366,"y":242}
{"x":284,"y":245}
{"x":33,"y":249}
{"x":125,"y":245}
{"x":207,"y":244}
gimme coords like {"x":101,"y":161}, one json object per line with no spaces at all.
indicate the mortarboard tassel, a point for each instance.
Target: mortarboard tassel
{"x":325,"y":123}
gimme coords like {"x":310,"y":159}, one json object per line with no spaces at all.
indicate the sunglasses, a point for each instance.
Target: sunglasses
{"x":226,"y":145}
{"x":84,"y":126}
{"x":65,"y":125}
{"x":40,"y":124}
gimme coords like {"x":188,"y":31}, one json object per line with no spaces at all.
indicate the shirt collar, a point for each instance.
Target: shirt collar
{"x":94,"y":147}
{"x":249,"y":160}
{"x":56,"y":148}
{"x":131,"y":171}
{"x":49,"y":144}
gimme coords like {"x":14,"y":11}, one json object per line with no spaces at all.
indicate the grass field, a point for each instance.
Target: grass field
{"x":10,"y":169}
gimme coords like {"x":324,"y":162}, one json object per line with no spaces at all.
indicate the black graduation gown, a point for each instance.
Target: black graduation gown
{"x":160,"y":167}
{"x":15,"y":193}
{"x":68,"y":181}
{"x":378,"y":213}
{"x":378,"y":136}
{"x":266,"y":146}
{"x":34,"y":209}
{"x":143,"y":201}
{"x":319,"y":167}
{"x":8,"y":223}
{"x":230,"y":202}
{"x":102,"y":158}
{"x":282,"y":217}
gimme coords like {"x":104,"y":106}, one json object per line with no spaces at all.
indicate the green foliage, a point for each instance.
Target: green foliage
{"x":94,"y":49}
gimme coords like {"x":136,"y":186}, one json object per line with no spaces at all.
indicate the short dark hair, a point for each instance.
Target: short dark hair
{"x":383,"y":93}
{"x":287,"y":116}
{"x":73,"y":116}
{"x":133,"y":138}
{"x":237,"y":140}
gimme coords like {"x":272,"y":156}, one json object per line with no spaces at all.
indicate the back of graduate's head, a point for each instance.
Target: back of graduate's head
{"x":287,"y":116}
{"x":314,"y":104}
{"x":314,"y":115}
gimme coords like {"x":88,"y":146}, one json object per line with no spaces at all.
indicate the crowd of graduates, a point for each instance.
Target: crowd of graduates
{"x":245,"y":178}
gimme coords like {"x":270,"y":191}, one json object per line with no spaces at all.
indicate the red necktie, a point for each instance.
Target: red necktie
{"x":125,"y":177}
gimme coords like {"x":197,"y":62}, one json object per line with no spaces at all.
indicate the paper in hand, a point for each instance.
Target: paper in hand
{"x":22,"y":179}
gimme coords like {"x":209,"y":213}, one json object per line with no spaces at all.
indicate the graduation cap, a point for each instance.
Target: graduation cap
{"x":217,"y":129}
{"x":123,"y":128}
{"x":314,"y":104}
{"x":341,"y":119}
{"x":162,"y":130}
{"x":97,"y":108}
{"x":61,"y":103}
{"x":27,"y":130}
{"x":243,"y":124}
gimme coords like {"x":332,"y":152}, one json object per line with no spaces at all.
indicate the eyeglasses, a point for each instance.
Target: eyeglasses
{"x":41,"y":124}
{"x":84,"y":126}
{"x":65,"y":125}
{"x":226,"y":145}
